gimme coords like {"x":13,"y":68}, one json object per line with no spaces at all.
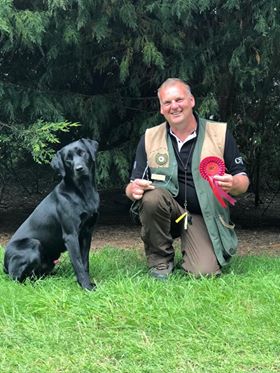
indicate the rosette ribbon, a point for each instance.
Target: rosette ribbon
{"x":209,"y":167}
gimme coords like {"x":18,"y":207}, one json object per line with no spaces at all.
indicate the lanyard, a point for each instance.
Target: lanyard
{"x":186,"y":216}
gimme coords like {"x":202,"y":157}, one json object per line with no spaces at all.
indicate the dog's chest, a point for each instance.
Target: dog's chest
{"x":88,"y":208}
{"x":87,"y":220}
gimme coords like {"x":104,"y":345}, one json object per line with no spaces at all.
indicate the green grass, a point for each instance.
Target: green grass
{"x":133,"y":323}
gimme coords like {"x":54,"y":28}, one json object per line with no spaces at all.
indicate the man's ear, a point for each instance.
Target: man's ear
{"x":57,"y":163}
{"x":193,"y":101}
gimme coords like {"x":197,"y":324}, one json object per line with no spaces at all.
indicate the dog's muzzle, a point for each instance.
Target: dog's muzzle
{"x":81,"y":170}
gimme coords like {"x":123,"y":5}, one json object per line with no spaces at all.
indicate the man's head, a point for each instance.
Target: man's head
{"x":176,"y":101}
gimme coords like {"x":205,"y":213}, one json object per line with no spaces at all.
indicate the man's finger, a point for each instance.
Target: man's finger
{"x":142,"y":182}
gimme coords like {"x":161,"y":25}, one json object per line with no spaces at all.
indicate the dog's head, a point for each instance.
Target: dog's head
{"x":75,"y":159}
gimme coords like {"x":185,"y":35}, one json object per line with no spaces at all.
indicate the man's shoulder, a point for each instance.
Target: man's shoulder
{"x":158,"y":127}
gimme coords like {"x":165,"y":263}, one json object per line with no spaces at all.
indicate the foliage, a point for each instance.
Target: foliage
{"x":40,"y":134}
{"x":35,"y":138}
{"x":99,"y":64}
{"x":133,"y":323}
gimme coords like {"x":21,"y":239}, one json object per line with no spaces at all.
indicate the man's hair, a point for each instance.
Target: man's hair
{"x":173,"y":81}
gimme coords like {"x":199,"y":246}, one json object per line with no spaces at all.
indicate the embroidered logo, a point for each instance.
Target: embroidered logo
{"x":161,"y":159}
{"x":239,"y":160}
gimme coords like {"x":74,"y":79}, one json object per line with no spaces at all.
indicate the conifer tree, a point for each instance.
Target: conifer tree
{"x":99,"y":63}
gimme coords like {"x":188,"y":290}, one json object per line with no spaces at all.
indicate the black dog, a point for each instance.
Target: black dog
{"x":64,"y":220}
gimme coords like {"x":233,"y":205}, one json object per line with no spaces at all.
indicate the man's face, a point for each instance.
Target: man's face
{"x":176,"y":104}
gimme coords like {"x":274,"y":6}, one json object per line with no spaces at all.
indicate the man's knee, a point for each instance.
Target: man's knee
{"x":155,"y":200}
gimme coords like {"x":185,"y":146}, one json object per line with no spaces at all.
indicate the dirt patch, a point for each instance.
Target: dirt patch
{"x":265,"y":241}
{"x":251,"y":242}
{"x":258,"y":229}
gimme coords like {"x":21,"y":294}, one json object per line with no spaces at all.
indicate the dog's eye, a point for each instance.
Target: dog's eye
{"x":80,"y":152}
{"x":69,"y":157}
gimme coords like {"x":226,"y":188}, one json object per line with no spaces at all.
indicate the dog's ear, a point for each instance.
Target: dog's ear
{"x":57,"y":163}
{"x":91,"y":146}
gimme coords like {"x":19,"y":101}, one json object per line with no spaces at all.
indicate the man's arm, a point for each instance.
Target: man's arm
{"x":235,"y":181}
{"x":139,"y":184}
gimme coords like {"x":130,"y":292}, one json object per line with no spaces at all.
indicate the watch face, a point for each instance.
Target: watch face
{"x":161,"y":159}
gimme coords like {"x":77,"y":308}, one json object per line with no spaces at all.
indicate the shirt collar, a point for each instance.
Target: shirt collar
{"x":193,"y":135}
{"x":180,"y":143}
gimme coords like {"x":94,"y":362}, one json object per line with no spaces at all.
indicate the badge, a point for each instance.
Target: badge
{"x":161,"y":159}
{"x":158,"y":177}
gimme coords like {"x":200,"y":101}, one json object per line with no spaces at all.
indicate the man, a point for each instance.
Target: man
{"x":166,"y":186}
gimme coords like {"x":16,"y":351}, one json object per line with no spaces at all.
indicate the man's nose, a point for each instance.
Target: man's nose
{"x":174,"y":104}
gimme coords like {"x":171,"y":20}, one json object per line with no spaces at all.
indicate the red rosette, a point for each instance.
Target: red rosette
{"x":211,"y":166}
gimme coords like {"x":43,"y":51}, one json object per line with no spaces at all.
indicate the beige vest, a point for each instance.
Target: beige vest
{"x":161,"y":158}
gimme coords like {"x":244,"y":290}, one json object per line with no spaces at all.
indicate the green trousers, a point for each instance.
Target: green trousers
{"x":158,"y":211}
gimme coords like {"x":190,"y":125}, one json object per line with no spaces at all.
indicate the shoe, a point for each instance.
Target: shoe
{"x":162,"y":270}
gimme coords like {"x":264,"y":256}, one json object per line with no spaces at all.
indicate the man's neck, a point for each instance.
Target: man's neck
{"x":183,"y":130}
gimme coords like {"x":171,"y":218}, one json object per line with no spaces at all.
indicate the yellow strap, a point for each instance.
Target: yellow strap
{"x":181,"y":217}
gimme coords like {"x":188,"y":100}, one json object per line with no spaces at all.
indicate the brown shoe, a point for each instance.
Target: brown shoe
{"x":162,"y":270}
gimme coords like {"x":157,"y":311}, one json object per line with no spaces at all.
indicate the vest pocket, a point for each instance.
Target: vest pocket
{"x":227,"y":237}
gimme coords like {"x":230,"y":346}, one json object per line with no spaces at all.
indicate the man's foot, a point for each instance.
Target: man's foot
{"x":162,"y":270}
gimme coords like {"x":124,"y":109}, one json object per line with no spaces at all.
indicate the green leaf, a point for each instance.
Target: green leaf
{"x":151,"y":55}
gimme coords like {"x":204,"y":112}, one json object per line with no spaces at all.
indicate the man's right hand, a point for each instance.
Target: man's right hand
{"x":137,"y":188}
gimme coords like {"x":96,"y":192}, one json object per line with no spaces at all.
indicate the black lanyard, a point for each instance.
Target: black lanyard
{"x":185,"y":167}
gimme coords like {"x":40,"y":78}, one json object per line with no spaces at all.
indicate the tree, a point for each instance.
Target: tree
{"x":99,"y":64}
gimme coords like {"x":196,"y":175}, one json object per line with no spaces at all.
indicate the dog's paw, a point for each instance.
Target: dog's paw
{"x":90,"y":287}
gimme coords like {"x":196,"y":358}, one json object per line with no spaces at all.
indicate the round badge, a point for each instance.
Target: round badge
{"x":211,"y":166}
{"x":161,"y":159}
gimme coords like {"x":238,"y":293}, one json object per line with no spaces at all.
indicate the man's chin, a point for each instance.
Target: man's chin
{"x":176,"y":120}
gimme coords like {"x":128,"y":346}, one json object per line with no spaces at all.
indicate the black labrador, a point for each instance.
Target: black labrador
{"x":64,"y":220}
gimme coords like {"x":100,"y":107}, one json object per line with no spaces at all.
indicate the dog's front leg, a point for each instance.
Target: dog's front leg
{"x":73,"y":248}
{"x":85,"y":241}
{"x":85,"y":238}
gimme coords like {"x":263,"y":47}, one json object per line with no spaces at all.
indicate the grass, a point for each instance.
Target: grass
{"x":134,"y":323}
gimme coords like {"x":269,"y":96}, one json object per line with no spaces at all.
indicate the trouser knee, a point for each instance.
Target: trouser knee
{"x":154,"y":201}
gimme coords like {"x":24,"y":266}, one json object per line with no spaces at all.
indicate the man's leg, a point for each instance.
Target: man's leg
{"x":157,"y":211}
{"x":197,"y":249}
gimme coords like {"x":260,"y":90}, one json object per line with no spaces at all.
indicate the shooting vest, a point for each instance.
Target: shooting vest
{"x":164,"y":174}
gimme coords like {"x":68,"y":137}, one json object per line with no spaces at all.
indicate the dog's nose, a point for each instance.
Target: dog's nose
{"x":79,"y":168}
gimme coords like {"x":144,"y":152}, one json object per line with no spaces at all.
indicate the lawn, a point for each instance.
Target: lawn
{"x":133,"y":323}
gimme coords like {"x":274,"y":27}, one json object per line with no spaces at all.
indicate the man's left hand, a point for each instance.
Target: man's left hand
{"x":225,"y":182}
{"x":234,"y":185}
